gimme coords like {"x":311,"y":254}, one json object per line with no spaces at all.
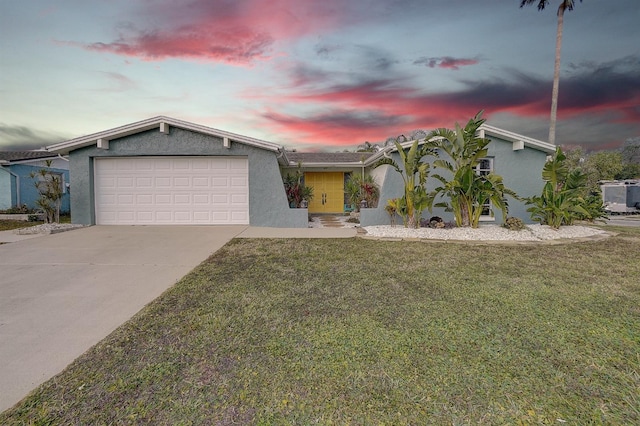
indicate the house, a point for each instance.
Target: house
{"x":17,"y":186}
{"x":168,"y":171}
{"x":517,"y":158}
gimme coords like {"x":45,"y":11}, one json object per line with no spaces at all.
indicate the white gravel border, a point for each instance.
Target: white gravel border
{"x":48,"y":228}
{"x":485,"y":233}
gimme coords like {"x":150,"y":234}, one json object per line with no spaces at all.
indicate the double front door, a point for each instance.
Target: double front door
{"x":328,"y":191}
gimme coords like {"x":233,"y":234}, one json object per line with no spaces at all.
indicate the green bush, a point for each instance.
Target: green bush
{"x":18,"y":209}
{"x":564,"y":198}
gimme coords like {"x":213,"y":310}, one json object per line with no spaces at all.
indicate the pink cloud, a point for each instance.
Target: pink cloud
{"x":200,"y":43}
{"x":369,"y":111}
{"x":232,"y":32}
{"x":446,"y":62}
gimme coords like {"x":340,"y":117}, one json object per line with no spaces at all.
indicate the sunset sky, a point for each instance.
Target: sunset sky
{"x":316,"y":75}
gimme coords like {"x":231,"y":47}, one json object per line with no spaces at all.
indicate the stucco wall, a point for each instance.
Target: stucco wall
{"x":5,"y":189}
{"x":521,"y":171}
{"x":267,"y":198}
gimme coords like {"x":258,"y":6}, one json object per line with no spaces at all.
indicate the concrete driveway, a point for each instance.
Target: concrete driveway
{"x":61,"y":294}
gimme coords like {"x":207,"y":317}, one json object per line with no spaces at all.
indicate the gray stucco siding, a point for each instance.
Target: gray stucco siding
{"x":6,"y":196}
{"x":521,"y":172}
{"x":267,"y":198}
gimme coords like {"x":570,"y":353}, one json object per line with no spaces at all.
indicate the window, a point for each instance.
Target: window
{"x":484,"y":167}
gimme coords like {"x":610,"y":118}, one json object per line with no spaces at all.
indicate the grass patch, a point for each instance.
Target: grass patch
{"x":370,"y":332}
{"x":8,"y":225}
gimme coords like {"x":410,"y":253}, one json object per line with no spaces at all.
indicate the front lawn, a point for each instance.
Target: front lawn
{"x":8,"y":225}
{"x":372,"y":332}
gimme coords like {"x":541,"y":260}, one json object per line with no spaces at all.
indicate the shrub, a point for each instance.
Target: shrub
{"x":564,"y":199}
{"x":296,"y":190}
{"x":18,"y":209}
{"x":359,"y":188}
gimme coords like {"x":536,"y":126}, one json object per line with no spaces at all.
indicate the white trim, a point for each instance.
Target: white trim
{"x":518,"y":145}
{"x":32,"y":160}
{"x":151,"y":123}
{"x":514,"y":137}
{"x":164,"y":128}
{"x":102,"y":143}
{"x":491,"y":216}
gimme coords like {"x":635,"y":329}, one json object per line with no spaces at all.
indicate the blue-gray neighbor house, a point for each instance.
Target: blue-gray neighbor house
{"x":168,"y":171}
{"x":17,"y":186}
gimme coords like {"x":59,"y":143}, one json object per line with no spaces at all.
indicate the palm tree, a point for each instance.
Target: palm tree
{"x":564,"y":5}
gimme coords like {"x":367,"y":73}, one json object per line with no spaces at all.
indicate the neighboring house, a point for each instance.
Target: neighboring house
{"x":168,"y":171}
{"x":17,"y":187}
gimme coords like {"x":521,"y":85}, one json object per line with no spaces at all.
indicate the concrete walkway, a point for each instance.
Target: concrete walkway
{"x":60,"y":294}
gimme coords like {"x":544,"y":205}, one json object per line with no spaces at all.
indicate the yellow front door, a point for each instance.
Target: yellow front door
{"x":328,"y":191}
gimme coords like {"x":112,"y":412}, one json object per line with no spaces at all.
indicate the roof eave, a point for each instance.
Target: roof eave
{"x":331,"y":164}
{"x":515,"y":137}
{"x":149,"y":124}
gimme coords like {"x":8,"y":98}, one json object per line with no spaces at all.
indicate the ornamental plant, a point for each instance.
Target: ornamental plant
{"x":561,"y":201}
{"x":467,"y":191}
{"x":296,"y":190}
{"x":414,"y":173}
{"x":362,"y":188}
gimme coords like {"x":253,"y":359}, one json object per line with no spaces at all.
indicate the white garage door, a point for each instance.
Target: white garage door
{"x":171,"y":191}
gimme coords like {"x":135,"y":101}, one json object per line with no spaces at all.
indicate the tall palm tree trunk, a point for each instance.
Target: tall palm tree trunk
{"x":556,"y":76}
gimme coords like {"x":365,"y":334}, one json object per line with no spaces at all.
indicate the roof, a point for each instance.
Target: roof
{"x":486,"y":131}
{"x":12,"y":156}
{"x":324,"y":159}
{"x":160,"y":122}
{"x":515,"y":137}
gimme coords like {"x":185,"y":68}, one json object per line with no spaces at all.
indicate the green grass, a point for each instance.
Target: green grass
{"x":8,"y":225}
{"x":369,"y":332}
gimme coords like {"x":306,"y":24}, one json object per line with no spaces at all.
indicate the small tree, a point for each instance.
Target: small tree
{"x":414,"y":174}
{"x":49,"y":186}
{"x":467,"y":191}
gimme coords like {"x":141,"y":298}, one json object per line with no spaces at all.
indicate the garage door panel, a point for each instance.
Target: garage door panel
{"x":163,"y":182}
{"x":182,"y":199}
{"x":200,"y":182}
{"x":238,"y":182}
{"x":125,"y":199}
{"x":171,"y":190}
{"x":239,"y":199}
{"x":142,"y":200}
{"x":125,"y":182}
{"x":144,"y":182}
{"x":201,"y":199}
{"x":163,"y":198}
{"x":124,"y":165}
{"x":220,"y":181}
